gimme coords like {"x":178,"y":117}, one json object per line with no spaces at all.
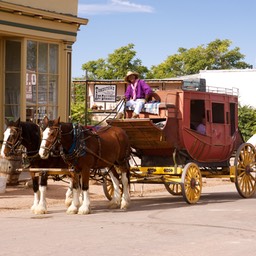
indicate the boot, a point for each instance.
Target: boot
{"x":119,"y":116}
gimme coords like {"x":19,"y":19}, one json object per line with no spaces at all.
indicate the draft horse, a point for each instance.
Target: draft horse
{"x":85,"y":150}
{"x":28,"y":134}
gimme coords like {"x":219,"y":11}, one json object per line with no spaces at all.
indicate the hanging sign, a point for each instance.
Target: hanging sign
{"x":105,"y":92}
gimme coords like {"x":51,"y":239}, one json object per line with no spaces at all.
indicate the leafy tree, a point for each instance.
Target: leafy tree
{"x":78,"y":104}
{"x":216,"y":55}
{"x":116,"y":65}
{"x":247,"y":121}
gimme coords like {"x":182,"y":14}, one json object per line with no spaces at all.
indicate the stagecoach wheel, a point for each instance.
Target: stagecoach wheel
{"x":245,"y":174}
{"x":174,"y":189}
{"x":191,"y":183}
{"x":108,"y":187}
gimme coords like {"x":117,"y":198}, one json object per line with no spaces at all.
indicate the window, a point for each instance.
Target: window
{"x":12,"y":79}
{"x":41,"y":80}
{"x":218,"y":113}
{"x":197,"y":113}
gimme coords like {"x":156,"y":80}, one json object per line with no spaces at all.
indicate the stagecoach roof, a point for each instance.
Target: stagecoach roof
{"x":122,"y":81}
{"x":187,"y":84}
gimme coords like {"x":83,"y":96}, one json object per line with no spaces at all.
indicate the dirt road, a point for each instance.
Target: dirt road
{"x":21,"y":196}
{"x":221,"y":223}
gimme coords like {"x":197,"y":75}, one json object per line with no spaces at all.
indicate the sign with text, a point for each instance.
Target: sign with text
{"x":105,"y":92}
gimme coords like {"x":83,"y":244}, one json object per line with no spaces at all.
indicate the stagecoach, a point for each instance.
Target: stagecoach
{"x":172,"y":152}
{"x":165,"y":142}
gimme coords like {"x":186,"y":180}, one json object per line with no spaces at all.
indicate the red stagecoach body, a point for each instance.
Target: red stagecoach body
{"x":180,"y":110}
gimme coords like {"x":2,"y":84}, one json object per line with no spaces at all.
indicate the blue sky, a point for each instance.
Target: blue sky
{"x":158,"y":28}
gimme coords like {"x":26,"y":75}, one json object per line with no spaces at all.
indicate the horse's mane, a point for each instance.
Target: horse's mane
{"x":31,"y":134}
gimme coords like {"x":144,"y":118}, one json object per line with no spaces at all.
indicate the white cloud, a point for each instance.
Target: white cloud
{"x":114,"y":6}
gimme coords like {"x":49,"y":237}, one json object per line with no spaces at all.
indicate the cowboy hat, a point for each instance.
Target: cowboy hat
{"x":129,"y":73}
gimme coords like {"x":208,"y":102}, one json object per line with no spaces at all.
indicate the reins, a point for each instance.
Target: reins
{"x":105,"y":118}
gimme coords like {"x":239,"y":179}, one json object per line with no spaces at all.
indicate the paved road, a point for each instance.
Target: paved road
{"x":221,"y":223}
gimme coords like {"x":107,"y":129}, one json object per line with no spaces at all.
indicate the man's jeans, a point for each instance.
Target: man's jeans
{"x":137,"y":105}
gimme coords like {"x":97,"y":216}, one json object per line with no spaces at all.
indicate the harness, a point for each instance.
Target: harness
{"x":79,"y":148}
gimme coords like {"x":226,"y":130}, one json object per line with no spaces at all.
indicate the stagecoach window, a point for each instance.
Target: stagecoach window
{"x":197,"y":112}
{"x":218,"y":113}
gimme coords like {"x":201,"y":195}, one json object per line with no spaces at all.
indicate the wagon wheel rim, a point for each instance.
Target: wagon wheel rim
{"x":108,"y":187}
{"x":245,"y":172}
{"x":191,"y":183}
{"x":174,"y":189}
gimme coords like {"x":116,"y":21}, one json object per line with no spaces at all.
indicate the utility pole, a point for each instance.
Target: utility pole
{"x":85,"y":99}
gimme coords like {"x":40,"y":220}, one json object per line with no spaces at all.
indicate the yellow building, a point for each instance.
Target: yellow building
{"x":36,"y":40}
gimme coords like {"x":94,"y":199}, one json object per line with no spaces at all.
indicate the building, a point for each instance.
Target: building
{"x":36,"y":40}
{"x":242,"y":79}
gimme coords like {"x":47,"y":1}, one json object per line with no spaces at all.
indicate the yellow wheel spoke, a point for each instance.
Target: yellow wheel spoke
{"x":245,"y":162}
{"x":192,"y":183}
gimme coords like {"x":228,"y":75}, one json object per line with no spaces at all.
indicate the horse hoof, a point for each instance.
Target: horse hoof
{"x":113,"y":206}
{"x":32,"y":209}
{"x":84,"y":212}
{"x":41,"y":211}
{"x":72,"y":210}
{"x":124,"y":207}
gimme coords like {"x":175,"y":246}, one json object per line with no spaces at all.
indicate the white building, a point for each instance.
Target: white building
{"x":243,"y":79}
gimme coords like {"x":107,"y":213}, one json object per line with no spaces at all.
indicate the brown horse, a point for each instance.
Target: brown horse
{"x":28,"y":134}
{"x":86,"y":150}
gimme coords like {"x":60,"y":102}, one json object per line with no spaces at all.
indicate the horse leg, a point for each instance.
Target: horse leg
{"x":69,"y":193}
{"x":35,"y":183}
{"x":126,"y":195}
{"x":85,"y":208}
{"x":116,"y":198}
{"x":73,"y":208}
{"x":41,"y":207}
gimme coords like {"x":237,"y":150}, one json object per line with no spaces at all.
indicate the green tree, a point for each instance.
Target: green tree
{"x":78,"y":93}
{"x":216,"y":55}
{"x":247,"y":121}
{"x":116,"y":65}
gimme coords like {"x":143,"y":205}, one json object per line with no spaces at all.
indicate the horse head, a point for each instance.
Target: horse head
{"x":12,"y":138}
{"x":51,"y":136}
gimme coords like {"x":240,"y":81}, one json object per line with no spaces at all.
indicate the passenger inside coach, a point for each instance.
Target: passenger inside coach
{"x":201,"y":127}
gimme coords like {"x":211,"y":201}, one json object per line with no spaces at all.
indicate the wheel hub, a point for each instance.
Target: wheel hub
{"x":193,"y":183}
{"x":248,"y":169}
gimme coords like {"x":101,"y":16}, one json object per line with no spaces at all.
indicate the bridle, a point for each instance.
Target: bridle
{"x":13,"y":145}
{"x":57,"y":139}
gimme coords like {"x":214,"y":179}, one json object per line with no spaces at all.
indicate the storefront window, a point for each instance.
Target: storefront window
{"x":42,"y":80}
{"x":12,"y":79}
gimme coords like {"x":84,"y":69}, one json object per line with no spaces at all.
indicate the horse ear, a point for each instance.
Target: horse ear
{"x":56,"y":121}
{"x":7,"y":122}
{"x":17,"y":123}
{"x":45,"y":121}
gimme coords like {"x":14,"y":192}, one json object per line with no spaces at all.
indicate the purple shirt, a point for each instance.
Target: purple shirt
{"x":201,"y":129}
{"x":142,"y":90}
